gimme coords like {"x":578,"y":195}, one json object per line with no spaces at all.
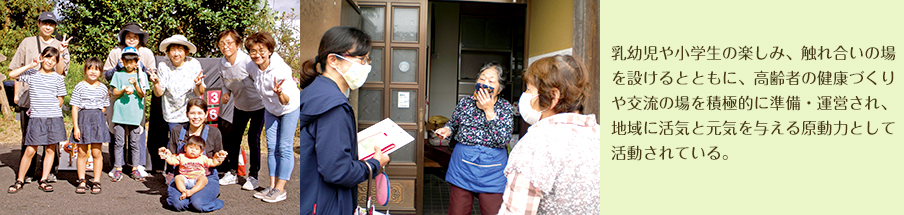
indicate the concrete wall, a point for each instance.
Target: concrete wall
{"x":550,"y":26}
{"x":444,"y":73}
{"x":316,"y":17}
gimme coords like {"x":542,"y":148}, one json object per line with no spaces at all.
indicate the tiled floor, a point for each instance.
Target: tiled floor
{"x":436,"y":193}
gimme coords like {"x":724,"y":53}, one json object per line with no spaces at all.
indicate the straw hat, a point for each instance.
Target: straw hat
{"x":178,"y":39}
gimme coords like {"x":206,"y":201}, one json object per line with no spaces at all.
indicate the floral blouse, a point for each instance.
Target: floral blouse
{"x":470,"y":126}
{"x":555,"y":168}
{"x":178,"y":87}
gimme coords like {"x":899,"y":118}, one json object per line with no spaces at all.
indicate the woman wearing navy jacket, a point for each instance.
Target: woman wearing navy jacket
{"x":329,"y":155}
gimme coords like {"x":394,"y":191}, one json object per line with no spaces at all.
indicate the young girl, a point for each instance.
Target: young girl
{"x":89,"y":100}
{"x":46,"y":119}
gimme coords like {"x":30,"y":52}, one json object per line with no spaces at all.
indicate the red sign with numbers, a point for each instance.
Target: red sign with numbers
{"x":213,"y":97}
{"x":213,"y":113}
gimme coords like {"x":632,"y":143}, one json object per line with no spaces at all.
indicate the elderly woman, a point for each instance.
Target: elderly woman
{"x":178,"y":79}
{"x":242,"y":104}
{"x":204,"y":200}
{"x":482,"y":125}
{"x":554,"y":169}
{"x":280,"y":96}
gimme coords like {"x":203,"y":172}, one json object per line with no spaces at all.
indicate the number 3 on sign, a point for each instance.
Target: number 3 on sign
{"x":213,"y":97}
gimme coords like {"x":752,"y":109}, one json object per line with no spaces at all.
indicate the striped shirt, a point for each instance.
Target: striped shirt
{"x":85,"y":96}
{"x":45,"y":90}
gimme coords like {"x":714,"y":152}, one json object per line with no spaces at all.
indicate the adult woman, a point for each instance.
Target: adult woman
{"x":131,"y":35}
{"x":279,"y":94}
{"x":483,"y":126}
{"x":206,"y":199}
{"x":243,"y":103}
{"x":329,"y":146}
{"x":178,"y":79}
{"x":564,"y":177}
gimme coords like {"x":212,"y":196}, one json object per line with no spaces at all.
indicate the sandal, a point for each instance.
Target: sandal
{"x":95,"y":188}
{"x":16,"y":187}
{"x":44,"y":185}
{"x":82,"y":186}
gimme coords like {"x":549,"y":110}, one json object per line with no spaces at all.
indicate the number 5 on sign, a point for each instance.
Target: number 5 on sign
{"x":213,"y":97}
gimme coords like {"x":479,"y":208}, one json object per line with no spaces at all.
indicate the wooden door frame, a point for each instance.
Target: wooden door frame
{"x":586,"y":48}
{"x":387,"y":44}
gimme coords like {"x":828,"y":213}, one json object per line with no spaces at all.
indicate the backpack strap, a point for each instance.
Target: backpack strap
{"x":38,"y":41}
{"x":182,"y":136}
{"x":181,"y":139}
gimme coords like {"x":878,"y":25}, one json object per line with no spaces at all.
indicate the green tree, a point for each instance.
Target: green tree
{"x":96,"y":23}
{"x":281,"y":25}
{"x":18,"y":20}
{"x":288,"y":44}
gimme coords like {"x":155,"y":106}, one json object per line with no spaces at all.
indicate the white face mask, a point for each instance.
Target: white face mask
{"x":530,"y":115}
{"x":356,"y":74}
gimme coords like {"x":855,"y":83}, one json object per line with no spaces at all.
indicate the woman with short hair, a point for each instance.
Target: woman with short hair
{"x":555,"y":167}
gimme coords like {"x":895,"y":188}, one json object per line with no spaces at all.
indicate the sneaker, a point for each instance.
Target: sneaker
{"x":229,"y":178}
{"x":111,"y":172}
{"x":142,"y":172}
{"x":51,"y":178}
{"x":137,"y":175}
{"x":28,"y":179}
{"x":263,"y":193}
{"x":117,"y":175}
{"x":275,"y":196}
{"x":250,"y":183}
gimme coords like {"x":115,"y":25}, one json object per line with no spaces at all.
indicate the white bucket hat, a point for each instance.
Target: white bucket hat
{"x":178,"y":39}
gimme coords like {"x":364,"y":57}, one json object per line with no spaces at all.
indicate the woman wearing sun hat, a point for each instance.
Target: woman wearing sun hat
{"x":131,"y":35}
{"x":178,"y":79}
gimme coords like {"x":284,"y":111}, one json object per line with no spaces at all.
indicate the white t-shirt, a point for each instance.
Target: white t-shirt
{"x":178,"y":85}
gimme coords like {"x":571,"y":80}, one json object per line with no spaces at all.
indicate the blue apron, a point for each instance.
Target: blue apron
{"x":477,"y":168}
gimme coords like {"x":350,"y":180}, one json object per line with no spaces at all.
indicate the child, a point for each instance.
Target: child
{"x":193,"y":165}
{"x":46,"y":127}
{"x":128,"y":110}
{"x":131,"y":35}
{"x":89,"y":130}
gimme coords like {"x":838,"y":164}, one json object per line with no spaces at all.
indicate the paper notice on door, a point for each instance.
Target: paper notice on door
{"x":404,"y":100}
{"x":386,"y":134}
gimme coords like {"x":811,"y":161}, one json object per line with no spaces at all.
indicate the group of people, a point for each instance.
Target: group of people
{"x":554,"y":168}
{"x":108,"y":106}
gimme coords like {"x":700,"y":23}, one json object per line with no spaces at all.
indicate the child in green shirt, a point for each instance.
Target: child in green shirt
{"x":129,"y":87}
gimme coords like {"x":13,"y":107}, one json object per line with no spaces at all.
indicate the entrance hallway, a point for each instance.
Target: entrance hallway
{"x":436,"y":193}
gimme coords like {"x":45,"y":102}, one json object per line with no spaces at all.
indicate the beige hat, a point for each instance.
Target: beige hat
{"x":178,"y":39}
